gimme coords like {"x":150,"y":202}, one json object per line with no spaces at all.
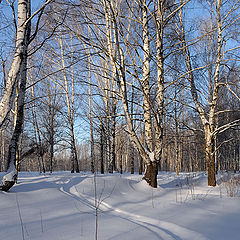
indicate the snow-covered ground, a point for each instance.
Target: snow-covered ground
{"x":62,"y":206}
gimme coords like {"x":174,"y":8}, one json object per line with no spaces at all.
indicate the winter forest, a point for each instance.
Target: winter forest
{"x":111,"y":98}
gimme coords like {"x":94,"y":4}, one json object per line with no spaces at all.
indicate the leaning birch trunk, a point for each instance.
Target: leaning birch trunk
{"x":21,"y":45}
{"x":17,"y":72}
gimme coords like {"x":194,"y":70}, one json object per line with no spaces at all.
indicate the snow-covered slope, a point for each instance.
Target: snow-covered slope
{"x":62,"y":206}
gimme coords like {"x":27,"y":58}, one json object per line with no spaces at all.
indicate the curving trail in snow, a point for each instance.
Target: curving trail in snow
{"x":161,"y":229}
{"x":165,"y":230}
{"x":61,"y":206}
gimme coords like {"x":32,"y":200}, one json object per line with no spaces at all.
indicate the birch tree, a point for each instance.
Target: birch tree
{"x":222,"y":21}
{"x":17,"y":76}
{"x":152,"y":149}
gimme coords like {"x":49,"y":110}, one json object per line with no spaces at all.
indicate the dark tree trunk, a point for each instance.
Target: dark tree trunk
{"x":211,"y":174}
{"x":210,"y":158}
{"x":41,"y":155}
{"x":72,"y":160}
{"x":51,"y":153}
{"x":113,"y":154}
{"x":140,"y":171}
{"x":113,"y":133}
{"x":7,"y":185}
{"x":121,"y":166}
{"x":132,"y":159}
{"x":150,"y":175}
{"x":76,"y":161}
{"x":210,"y":166}
{"x":101,"y":147}
{"x":92,"y":146}
{"x":211,"y":170}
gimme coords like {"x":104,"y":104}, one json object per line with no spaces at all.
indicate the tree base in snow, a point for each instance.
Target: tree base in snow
{"x":7,"y":185}
{"x":211,"y":176}
{"x":150,"y":175}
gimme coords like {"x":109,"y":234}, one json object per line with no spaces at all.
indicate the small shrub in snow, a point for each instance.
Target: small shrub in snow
{"x":231,"y":184}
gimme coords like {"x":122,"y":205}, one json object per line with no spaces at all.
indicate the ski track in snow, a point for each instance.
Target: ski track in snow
{"x":162,"y":229}
{"x":124,"y":206}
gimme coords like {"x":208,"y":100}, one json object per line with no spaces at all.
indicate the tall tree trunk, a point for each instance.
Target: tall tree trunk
{"x":18,"y":71}
{"x":208,"y":123}
{"x":160,"y":81}
{"x":91,"y":119}
{"x":145,"y":81}
{"x":92,"y":147}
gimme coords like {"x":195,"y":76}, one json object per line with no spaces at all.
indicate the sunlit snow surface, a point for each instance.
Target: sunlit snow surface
{"x":61,"y":206}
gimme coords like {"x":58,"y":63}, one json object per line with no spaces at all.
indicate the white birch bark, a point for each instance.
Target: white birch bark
{"x":145,"y":81}
{"x":17,"y":75}
{"x":17,"y":72}
{"x":118,"y":66}
{"x":21,"y":46}
{"x":160,"y":81}
{"x":208,"y":122}
{"x":117,"y":63}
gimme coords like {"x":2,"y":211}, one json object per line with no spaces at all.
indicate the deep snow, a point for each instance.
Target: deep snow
{"x":61,"y":206}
